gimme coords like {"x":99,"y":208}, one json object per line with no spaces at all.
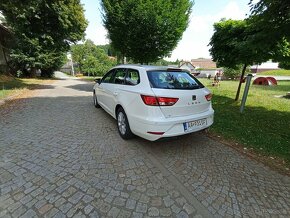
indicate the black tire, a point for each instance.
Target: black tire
{"x":123,"y":125}
{"x":95,"y":101}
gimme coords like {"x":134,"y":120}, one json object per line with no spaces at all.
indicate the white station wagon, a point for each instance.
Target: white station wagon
{"x":154,"y":102}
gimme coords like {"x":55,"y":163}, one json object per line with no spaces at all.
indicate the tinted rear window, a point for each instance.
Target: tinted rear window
{"x":173,"y":80}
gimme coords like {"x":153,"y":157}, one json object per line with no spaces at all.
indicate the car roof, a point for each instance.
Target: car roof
{"x":146,"y":67}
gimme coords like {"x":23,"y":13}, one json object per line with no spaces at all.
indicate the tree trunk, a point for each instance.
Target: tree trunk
{"x":33,"y":72}
{"x":80,"y":68}
{"x":240,"y":83}
{"x":6,"y":60}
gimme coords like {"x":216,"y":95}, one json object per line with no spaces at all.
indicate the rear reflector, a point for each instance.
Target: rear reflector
{"x":156,"y":133}
{"x":208,"y":97}
{"x":158,"y":101}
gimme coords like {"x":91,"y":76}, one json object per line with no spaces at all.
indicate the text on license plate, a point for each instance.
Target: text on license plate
{"x":192,"y":124}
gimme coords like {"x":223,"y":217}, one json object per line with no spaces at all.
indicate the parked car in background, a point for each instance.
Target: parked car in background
{"x":154,"y":102}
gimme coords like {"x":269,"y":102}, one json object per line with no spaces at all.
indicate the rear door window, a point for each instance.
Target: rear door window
{"x":173,"y":80}
{"x":119,"y":77}
{"x":132,"y":77}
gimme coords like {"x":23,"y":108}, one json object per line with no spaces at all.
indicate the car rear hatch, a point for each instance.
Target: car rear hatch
{"x":190,"y":95}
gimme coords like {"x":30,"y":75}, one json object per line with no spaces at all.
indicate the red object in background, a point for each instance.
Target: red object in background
{"x":266,"y":81}
{"x":273,"y":80}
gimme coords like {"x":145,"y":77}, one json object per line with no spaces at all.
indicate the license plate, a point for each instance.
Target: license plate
{"x":193,"y":124}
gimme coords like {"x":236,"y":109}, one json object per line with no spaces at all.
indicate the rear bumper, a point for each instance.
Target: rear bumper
{"x":170,"y":126}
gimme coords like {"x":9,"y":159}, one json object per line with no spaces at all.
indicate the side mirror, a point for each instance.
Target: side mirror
{"x":98,"y":81}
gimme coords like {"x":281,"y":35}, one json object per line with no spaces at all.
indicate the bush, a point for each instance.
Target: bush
{"x":231,"y":73}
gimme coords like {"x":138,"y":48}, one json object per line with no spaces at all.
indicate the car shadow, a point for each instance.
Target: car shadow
{"x":87,"y":87}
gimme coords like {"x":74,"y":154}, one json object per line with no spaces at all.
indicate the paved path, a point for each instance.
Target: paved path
{"x":60,"y":156}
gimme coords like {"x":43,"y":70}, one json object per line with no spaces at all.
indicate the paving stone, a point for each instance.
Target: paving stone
{"x":188,"y":208}
{"x":175,"y":208}
{"x":76,"y":197}
{"x":114,"y":212}
{"x":119,"y":201}
{"x":130,"y":204}
{"x":70,"y":163}
{"x":165,"y":212}
{"x":29,"y":214}
{"x":19,"y":211}
{"x":182,"y":214}
{"x":59,"y":214}
{"x":59,"y":202}
{"x":71,"y":212}
{"x":168,"y":201}
{"x":65,"y":207}
{"x":87,"y":198}
{"x":124,"y":214}
{"x":52,"y":212}
{"x":88,"y":209}
{"x":137,"y":215}
{"x":141,"y":208}
{"x":153,"y":211}
{"x":13,"y":207}
{"x":45,"y":208}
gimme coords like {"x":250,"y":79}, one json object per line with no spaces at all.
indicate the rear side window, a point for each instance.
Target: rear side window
{"x":119,"y":77}
{"x":173,"y":80}
{"x":132,"y":77}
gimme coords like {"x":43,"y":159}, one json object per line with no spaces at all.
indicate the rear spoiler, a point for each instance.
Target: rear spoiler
{"x":174,"y":70}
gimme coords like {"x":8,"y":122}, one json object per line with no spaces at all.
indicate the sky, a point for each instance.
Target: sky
{"x":195,"y":40}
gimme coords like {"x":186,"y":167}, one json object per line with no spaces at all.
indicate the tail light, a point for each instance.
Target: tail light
{"x":208,"y":97}
{"x":158,"y":101}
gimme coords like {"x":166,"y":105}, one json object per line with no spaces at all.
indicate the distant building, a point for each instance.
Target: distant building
{"x":204,"y":63}
{"x":187,"y":66}
{"x":269,"y":65}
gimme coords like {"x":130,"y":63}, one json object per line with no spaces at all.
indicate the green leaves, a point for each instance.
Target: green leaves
{"x":91,"y":59}
{"x":272,"y":17}
{"x":145,"y":30}
{"x":264,"y":35}
{"x":43,"y":31}
{"x":233,"y":43}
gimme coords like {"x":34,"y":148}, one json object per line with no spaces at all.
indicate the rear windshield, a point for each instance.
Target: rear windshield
{"x":173,"y":80}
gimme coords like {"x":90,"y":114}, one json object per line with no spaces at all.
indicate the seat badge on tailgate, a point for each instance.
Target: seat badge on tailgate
{"x":194,"y":97}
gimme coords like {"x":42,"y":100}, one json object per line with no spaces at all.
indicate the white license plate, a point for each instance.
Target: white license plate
{"x":193,"y":124}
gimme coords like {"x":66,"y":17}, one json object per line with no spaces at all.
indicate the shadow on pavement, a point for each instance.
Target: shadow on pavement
{"x":87,"y":87}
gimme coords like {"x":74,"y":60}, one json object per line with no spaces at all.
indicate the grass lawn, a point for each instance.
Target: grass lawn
{"x":276,"y":73}
{"x":265,"y":124}
{"x":10,"y":86}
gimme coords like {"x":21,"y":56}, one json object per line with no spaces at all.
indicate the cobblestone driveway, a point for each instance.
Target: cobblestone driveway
{"x":61,"y":157}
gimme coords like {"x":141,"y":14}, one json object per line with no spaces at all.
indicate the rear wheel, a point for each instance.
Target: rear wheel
{"x":123,"y":125}
{"x":96,"y":104}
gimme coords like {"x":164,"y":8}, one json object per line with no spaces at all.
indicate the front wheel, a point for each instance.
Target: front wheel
{"x":123,"y":125}
{"x":96,"y":104}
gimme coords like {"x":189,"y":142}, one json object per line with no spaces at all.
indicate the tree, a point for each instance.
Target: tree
{"x":43,"y":31}
{"x":91,"y":59}
{"x":284,"y":65}
{"x":233,"y":44}
{"x":270,"y":22}
{"x":145,"y":31}
{"x":272,"y":19}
